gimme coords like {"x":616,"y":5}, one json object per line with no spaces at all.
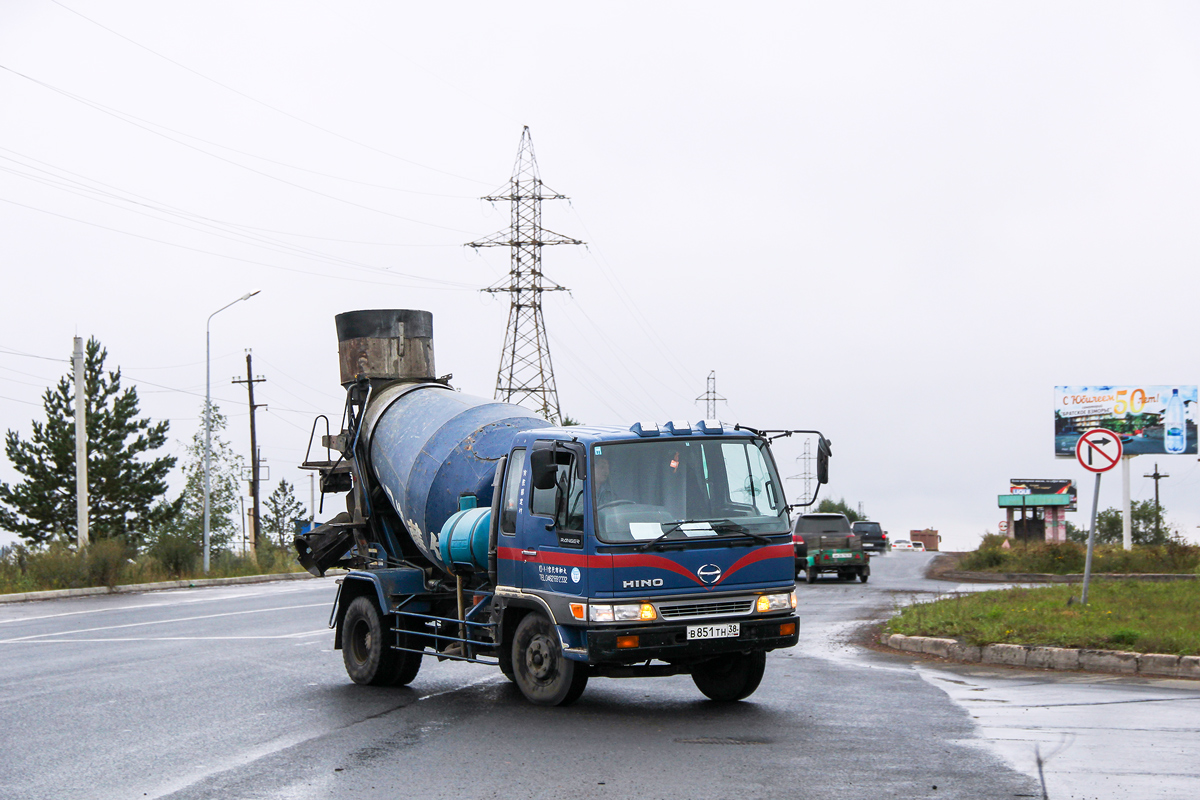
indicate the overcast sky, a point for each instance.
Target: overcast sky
{"x":901,"y":223}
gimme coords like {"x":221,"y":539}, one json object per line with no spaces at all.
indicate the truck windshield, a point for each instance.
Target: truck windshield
{"x":685,"y":489}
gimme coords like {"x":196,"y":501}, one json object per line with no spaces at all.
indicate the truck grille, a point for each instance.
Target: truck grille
{"x":710,"y":609}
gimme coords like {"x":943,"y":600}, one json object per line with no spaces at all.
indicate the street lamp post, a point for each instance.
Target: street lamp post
{"x":208,"y":414}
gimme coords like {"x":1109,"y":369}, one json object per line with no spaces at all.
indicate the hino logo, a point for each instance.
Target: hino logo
{"x":709,"y":573}
{"x":648,"y":583}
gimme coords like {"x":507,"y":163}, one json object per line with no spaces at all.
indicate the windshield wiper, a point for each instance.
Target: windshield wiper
{"x":715,"y":525}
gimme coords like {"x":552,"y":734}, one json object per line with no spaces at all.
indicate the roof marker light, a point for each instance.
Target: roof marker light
{"x":645,"y":428}
{"x":710,"y":426}
{"x":678,"y":427}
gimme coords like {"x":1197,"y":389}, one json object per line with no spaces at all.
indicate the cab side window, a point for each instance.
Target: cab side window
{"x":512,"y":492}
{"x":564,"y":501}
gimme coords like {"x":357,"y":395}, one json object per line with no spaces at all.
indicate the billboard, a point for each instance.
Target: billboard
{"x":1151,"y":420}
{"x":1044,"y":486}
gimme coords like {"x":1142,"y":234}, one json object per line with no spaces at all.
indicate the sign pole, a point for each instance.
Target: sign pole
{"x":1098,"y":451}
{"x":1126,"y":507}
{"x":1091,"y":544}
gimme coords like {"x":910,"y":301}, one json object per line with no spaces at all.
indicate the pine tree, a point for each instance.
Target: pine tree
{"x":282,"y":513}
{"x":125,"y":485}
{"x":224,"y":516}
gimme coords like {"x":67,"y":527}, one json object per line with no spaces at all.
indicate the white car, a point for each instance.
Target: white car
{"x":902,"y":544}
{"x":918,"y":546}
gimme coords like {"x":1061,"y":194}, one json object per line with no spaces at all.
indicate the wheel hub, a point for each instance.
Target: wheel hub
{"x":539,"y":658}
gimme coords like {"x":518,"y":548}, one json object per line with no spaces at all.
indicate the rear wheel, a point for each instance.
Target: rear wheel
{"x":368,"y":657}
{"x":730,"y":677}
{"x":862,"y":576}
{"x":543,"y":674}
{"x":810,"y":576}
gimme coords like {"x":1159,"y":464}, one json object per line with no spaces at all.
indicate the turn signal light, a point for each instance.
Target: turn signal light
{"x":647,"y":614}
{"x":625,"y":642}
{"x":763,"y":604}
{"x":787,"y":629}
{"x":577,"y":610}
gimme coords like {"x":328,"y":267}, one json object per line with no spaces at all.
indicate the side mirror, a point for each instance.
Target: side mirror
{"x":542,"y":469}
{"x":824,"y":451}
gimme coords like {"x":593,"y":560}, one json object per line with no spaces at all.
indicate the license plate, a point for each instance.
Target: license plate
{"x":842,"y":555}
{"x":730,"y":630}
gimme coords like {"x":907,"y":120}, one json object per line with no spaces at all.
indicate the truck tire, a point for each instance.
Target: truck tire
{"x":368,"y":658}
{"x":543,"y":674}
{"x":864,"y":573}
{"x":730,"y":677}
{"x":810,"y":575}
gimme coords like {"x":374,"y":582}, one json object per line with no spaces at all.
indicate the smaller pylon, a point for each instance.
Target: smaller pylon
{"x":710,"y":397}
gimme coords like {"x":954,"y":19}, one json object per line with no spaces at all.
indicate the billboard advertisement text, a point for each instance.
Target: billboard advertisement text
{"x":1151,"y":420}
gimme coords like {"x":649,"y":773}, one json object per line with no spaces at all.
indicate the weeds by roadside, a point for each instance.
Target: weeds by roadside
{"x":1120,"y":615}
{"x":1067,"y":558}
{"x":109,"y":563}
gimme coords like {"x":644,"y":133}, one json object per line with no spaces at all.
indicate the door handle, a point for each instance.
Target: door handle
{"x":529,"y":553}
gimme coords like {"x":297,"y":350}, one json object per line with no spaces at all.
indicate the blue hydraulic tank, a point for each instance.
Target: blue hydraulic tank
{"x":429,"y":445}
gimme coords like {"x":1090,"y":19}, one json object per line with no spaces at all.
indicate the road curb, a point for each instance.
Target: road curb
{"x":1121,"y":662}
{"x":129,"y":588}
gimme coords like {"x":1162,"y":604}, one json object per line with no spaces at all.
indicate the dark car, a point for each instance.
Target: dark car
{"x":874,"y":538}
{"x":814,"y":525}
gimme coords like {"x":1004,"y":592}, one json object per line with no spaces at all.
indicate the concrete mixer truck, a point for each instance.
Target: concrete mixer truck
{"x":477,"y":531}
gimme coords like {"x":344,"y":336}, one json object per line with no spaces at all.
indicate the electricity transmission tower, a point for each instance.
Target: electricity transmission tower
{"x":710,"y":397}
{"x":526,"y":375}
{"x":807,"y":475}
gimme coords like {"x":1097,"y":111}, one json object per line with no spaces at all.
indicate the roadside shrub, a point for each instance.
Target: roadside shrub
{"x":176,"y":554}
{"x":56,"y":567}
{"x":105,"y":562}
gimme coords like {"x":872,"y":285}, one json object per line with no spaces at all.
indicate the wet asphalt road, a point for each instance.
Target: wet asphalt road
{"x":234,"y":693}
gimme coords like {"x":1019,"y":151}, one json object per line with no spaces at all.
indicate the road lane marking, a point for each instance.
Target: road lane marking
{"x":161,"y":604}
{"x":167,"y":638}
{"x":162,"y":622}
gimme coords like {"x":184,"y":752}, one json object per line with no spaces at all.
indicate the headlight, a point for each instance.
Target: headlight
{"x":627,"y":613}
{"x":775,"y":602}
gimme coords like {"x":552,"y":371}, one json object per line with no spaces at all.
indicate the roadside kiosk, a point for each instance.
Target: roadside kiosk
{"x":1036,"y":510}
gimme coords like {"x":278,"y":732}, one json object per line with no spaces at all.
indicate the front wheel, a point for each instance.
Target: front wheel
{"x":730,"y":677}
{"x":543,"y":674}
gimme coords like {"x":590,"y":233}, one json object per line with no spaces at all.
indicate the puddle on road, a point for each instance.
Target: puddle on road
{"x":1097,"y":736}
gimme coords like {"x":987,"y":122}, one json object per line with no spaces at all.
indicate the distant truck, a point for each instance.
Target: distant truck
{"x":830,"y":546}
{"x":476,"y":531}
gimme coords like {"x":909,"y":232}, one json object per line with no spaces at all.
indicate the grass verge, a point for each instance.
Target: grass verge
{"x":1120,"y":615}
{"x":107,"y":563}
{"x":1067,"y":558}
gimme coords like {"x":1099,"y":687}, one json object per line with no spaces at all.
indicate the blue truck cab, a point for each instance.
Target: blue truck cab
{"x":476,"y":531}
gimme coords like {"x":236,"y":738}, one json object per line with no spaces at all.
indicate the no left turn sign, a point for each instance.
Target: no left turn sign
{"x":1098,"y":450}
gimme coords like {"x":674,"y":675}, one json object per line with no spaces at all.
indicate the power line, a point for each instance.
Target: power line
{"x":262,"y":103}
{"x":149,"y":127}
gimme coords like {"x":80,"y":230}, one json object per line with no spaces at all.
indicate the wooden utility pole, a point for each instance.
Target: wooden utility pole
{"x":255,"y":525}
{"x":1157,"y":512}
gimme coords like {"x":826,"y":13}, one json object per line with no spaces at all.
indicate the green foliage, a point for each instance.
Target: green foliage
{"x":1067,"y":558}
{"x":1147,"y":526}
{"x":176,"y":554}
{"x":282,"y":513}
{"x":225,"y":490}
{"x":1142,"y":616}
{"x":107,"y":563}
{"x":840,"y":506}
{"x":125,"y":485}
{"x":568,"y":421}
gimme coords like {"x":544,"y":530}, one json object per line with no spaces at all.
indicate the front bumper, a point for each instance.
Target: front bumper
{"x":670,"y":643}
